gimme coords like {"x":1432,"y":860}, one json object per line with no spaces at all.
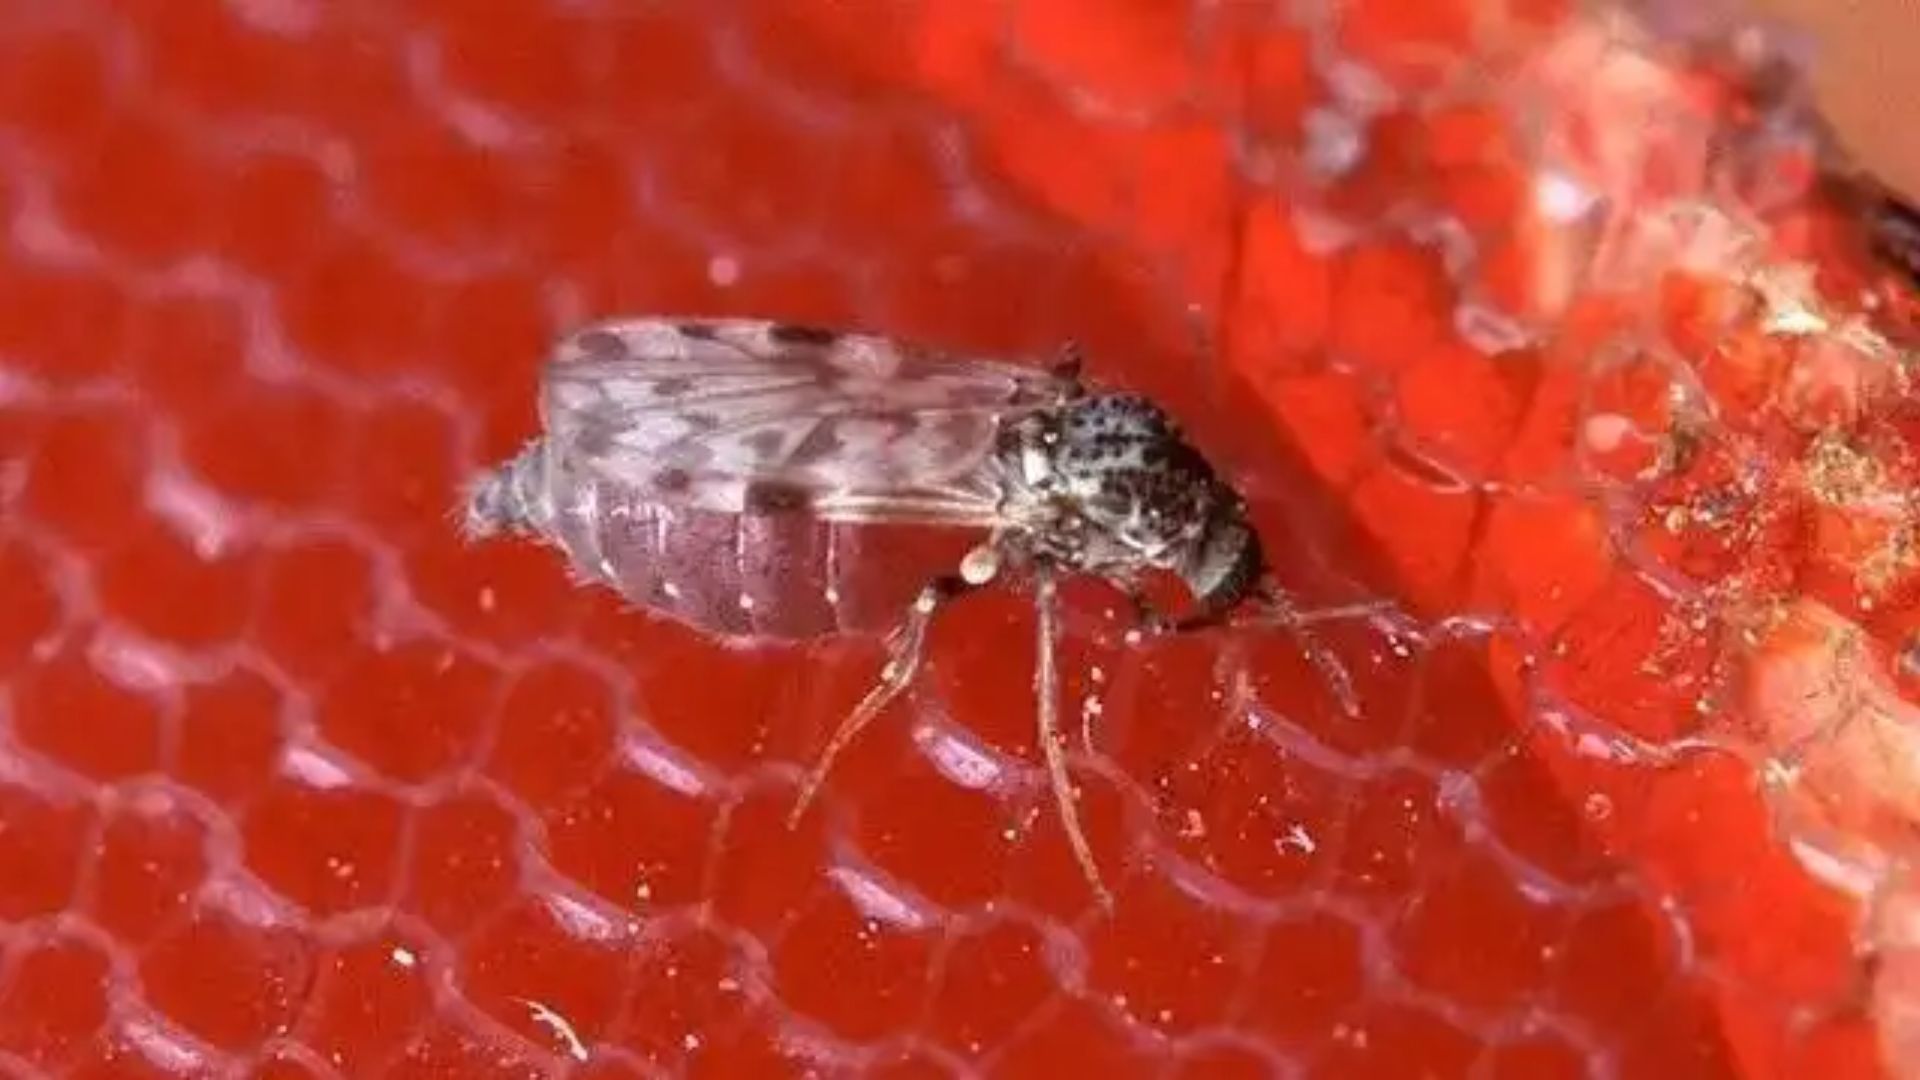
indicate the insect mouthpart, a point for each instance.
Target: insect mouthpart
{"x":1226,"y":564}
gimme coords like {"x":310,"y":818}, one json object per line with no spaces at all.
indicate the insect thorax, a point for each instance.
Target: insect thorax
{"x":1106,"y":484}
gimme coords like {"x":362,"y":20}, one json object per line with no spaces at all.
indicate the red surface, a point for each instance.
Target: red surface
{"x":291,"y":782}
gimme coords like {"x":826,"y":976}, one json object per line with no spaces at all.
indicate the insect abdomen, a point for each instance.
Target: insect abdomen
{"x":778,"y":576}
{"x":510,"y":498}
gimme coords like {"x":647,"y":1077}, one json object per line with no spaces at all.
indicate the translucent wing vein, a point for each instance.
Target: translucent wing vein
{"x":750,"y":416}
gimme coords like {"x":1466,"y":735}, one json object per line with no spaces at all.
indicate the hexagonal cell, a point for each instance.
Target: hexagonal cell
{"x":855,"y":960}
{"x":413,"y":712}
{"x":122,"y":735}
{"x":551,"y":967}
{"x":554,"y":733}
{"x":1311,"y":972}
{"x":53,"y":999}
{"x":1169,"y":959}
{"x":373,"y":993}
{"x":235,"y":975}
{"x":30,"y":608}
{"x":43,"y":843}
{"x":1475,"y":934}
{"x":323,"y":842}
{"x":994,"y":980}
{"x":642,"y":833}
{"x":149,"y":862}
{"x":467,"y":856}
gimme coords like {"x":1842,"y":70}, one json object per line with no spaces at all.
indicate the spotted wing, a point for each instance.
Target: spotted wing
{"x":749,"y":416}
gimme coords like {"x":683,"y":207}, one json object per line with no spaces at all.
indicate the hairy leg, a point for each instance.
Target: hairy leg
{"x":906,"y":648}
{"x":1046,"y":685}
{"x":1273,"y":605}
{"x":1279,"y":608}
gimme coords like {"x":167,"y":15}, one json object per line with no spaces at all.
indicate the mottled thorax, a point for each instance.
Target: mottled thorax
{"x":1115,"y":488}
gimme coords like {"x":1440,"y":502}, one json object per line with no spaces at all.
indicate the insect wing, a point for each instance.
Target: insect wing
{"x":761,"y":417}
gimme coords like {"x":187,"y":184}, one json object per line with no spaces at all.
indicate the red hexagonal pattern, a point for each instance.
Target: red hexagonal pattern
{"x":293,"y":783}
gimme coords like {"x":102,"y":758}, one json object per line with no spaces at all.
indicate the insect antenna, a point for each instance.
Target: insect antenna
{"x":1046,"y":686}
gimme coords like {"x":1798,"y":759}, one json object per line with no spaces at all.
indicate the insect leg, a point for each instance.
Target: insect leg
{"x":905,"y":648}
{"x":1046,"y":679}
{"x":1339,"y":681}
{"x":1280,"y":609}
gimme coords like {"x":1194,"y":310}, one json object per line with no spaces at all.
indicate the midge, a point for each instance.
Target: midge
{"x":706,"y":469}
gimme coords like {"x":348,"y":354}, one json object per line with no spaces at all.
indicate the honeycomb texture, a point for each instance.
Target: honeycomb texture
{"x":295,"y":784}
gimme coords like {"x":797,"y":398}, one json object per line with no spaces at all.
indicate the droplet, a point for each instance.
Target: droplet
{"x":723,"y":270}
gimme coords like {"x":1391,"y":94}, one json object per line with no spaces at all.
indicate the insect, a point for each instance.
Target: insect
{"x":702,"y":467}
